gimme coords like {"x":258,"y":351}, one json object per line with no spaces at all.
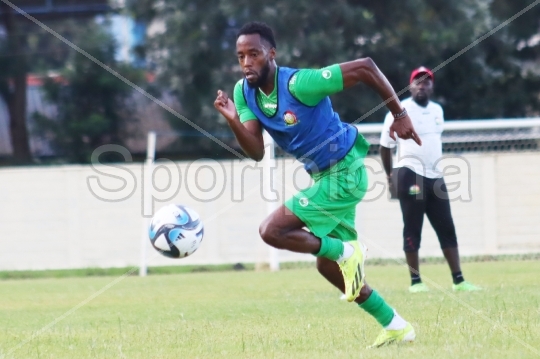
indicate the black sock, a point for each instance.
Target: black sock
{"x":415,"y":279}
{"x":457,"y":277}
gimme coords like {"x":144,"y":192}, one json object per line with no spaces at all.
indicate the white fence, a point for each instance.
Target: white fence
{"x":53,"y":217}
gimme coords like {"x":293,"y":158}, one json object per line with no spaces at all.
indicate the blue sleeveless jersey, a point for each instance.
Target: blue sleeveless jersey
{"x":313,"y":135}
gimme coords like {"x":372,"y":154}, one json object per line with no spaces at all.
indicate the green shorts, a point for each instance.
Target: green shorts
{"x":328,"y":208}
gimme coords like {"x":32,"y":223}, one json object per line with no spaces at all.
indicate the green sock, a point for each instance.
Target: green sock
{"x":331,"y":248}
{"x":377,"y":308}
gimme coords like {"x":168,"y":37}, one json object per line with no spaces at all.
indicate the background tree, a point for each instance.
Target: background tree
{"x":27,"y":48}
{"x":13,"y":86}
{"x":92,"y":104}
{"x":523,"y":37}
{"x":484,"y":82}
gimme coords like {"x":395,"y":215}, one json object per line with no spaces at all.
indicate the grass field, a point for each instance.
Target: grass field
{"x":288,"y":314}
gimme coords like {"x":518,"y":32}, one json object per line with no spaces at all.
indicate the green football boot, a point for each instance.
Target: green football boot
{"x":352,"y":270}
{"x":465,"y":287}
{"x":418,"y":288}
{"x":387,"y":337}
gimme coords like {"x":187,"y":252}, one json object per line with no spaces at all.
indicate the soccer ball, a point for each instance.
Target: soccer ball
{"x":176,"y":231}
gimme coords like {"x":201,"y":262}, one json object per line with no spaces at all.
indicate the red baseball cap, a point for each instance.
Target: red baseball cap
{"x":419,"y":71}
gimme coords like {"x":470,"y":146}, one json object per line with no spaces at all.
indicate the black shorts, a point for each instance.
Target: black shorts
{"x":420,"y":195}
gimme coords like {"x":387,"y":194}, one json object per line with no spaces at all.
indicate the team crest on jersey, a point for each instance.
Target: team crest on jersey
{"x":290,"y":118}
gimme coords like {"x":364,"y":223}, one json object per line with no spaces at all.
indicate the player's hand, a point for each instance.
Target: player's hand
{"x":225,"y":106}
{"x":404,"y":129}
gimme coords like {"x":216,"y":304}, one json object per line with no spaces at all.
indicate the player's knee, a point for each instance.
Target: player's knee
{"x":269,"y":234}
{"x":264,"y":231}
{"x":411,"y":244}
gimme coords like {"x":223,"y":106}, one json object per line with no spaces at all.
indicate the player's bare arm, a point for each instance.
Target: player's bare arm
{"x":366,"y":71}
{"x":248,"y":134}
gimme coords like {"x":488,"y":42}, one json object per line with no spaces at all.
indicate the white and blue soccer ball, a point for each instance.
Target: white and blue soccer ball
{"x":176,"y":231}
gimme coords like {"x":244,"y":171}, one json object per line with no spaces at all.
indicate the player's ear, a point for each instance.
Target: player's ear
{"x":272,"y":53}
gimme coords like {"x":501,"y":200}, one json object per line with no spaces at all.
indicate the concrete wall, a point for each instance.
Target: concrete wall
{"x":68,"y":216}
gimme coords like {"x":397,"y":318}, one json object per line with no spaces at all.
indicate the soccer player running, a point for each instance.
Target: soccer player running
{"x":294,"y":108}
{"x":419,"y":183}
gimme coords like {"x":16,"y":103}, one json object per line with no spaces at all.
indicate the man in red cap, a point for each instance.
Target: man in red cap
{"x":421,"y":73}
{"x":418,"y":183}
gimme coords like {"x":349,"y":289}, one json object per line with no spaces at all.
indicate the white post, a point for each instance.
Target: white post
{"x":269,"y":184}
{"x":147,"y":200}
{"x":489,"y":200}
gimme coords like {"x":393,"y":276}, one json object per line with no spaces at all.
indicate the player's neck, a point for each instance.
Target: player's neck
{"x":270,"y":83}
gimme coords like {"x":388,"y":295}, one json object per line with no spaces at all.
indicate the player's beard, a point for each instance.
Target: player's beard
{"x":262,"y":77}
{"x":421,"y":98}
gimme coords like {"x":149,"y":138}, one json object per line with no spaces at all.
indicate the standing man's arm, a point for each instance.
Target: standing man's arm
{"x":386,"y":157}
{"x":246,"y":128}
{"x":365,"y":71}
{"x":386,"y":146}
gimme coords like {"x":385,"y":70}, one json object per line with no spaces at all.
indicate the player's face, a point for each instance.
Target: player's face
{"x":421,"y":90}
{"x":254,"y":56}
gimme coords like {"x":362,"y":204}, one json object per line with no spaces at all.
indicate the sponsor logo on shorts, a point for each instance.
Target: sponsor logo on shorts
{"x":414,"y":189}
{"x":303,"y":201}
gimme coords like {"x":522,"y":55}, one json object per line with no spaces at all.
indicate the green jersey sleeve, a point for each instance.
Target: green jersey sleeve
{"x":310,"y":86}
{"x":242,"y":108}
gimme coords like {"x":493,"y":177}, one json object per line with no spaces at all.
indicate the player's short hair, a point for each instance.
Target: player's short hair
{"x":256,"y":27}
